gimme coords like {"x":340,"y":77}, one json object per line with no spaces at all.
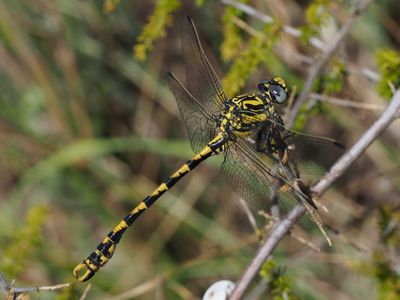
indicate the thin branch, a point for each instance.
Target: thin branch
{"x":277,"y":233}
{"x":283,"y":226}
{"x":361,"y":6}
{"x":346,"y":102}
{"x":4,"y":283}
{"x":85,"y":292}
{"x":317,"y":43}
{"x":251,"y":11}
{"x":140,"y":289}
{"x":249,"y":214}
{"x":15,"y":291}
{"x":351,"y":67}
{"x":310,"y":61}
{"x":388,"y":116}
{"x":246,"y":27}
{"x":40,"y":288}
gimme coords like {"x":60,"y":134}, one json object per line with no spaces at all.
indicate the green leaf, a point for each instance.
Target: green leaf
{"x":24,"y":241}
{"x":155,"y":28}
{"x":389,"y":67}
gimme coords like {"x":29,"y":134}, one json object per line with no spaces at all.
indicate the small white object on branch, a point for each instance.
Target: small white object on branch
{"x":220,"y":290}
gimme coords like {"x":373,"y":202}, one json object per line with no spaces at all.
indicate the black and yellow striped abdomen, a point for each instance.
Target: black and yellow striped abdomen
{"x":106,"y":248}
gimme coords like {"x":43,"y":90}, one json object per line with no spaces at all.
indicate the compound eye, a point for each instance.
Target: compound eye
{"x":278,"y":93}
{"x":262,"y":86}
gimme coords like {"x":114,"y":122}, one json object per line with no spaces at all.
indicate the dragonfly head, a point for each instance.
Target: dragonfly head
{"x":276,"y":88}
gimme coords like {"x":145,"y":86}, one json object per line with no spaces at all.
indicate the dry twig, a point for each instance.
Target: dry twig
{"x":361,"y":6}
{"x":85,"y":292}
{"x":317,"y":43}
{"x":140,"y":289}
{"x":346,"y":102}
{"x":14,"y":292}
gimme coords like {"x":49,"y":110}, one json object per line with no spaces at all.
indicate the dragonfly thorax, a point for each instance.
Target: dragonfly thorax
{"x":243,"y":114}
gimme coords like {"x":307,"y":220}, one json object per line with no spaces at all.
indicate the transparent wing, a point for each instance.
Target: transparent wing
{"x":200,"y":95}
{"x":201,"y":79}
{"x":313,"y":154}
{"x":254,"y":179}
{"x":261,"y":182}
{"x":198,"y":121}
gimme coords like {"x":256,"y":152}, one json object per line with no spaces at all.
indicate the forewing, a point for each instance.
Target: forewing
{"x":201,"y":79}
{"x":200,"y":96}
{"x":198,"y":121}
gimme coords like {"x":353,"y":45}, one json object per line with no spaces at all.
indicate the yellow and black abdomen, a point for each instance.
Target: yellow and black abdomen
{"x":105,"y":250}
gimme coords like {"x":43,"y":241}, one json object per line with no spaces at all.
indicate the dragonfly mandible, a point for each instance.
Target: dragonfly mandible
{"x":245,"y":128}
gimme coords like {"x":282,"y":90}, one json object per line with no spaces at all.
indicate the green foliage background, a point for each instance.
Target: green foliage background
{"x":88,"y":127}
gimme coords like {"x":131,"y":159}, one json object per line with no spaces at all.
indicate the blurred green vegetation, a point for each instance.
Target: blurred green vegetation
{"x":88,"y":127}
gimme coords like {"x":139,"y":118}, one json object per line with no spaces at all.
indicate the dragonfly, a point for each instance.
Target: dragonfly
{"x":246,"y":129}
